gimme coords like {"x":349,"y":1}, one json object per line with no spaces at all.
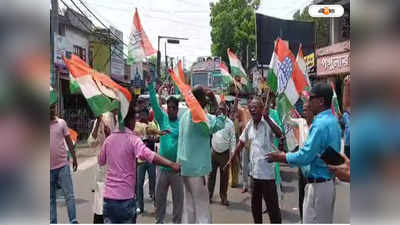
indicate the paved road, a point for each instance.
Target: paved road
{"x":239,"y":210}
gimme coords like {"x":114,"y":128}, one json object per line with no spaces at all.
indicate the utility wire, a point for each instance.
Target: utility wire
{"x":110,"y":32}
{"x":89,"y":29}
{"x":84,"y":24}
{"x":100,"y":21}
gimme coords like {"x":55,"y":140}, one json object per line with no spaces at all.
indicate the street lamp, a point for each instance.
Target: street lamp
{"x":171,"y":40}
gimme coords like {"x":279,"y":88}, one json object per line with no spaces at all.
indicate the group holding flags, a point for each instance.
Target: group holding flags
{"x":185,"y":141}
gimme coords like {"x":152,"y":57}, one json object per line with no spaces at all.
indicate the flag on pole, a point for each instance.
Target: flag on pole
{"x":236,"y":67}
{"x":285,"y":73}
{"x":139,"y":44}
{"x":102,"y":93}
{"x":288,"y":82}
{"x":226,"y":76}
{"x":198,"y":114}
{"x":335,"y":103}
{"x":303,"y":66}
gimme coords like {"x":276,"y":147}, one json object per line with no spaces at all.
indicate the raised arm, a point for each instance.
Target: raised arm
{"x":158,"y":112}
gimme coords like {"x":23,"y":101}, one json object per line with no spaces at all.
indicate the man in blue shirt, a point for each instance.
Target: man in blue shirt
{"x":325,"y":132}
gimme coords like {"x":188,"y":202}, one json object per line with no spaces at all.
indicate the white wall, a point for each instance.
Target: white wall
{"x":75,"y":37}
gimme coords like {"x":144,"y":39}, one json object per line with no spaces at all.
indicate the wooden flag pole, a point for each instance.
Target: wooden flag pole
{"x":267,"y":98}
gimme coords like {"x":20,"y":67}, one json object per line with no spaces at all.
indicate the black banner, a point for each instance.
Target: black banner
{"x":270,"y":28}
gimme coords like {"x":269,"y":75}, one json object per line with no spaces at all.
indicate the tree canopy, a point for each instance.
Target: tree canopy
{"x":321,"y":26}
{"x":233,"y":26}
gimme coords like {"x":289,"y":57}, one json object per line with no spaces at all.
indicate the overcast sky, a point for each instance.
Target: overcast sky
{"x":177,"y":18}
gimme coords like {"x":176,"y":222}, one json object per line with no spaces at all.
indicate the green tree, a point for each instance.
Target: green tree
{"x":321,"y":25}
{"x":233,"y":26}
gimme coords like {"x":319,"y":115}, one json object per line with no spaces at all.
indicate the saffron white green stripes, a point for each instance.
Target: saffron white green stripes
{"x":236,"y":67}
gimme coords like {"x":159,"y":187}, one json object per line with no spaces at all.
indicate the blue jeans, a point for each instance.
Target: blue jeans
{"x":141,"y":172}
{"x":62,"y":177}
{"x":119,"y":211}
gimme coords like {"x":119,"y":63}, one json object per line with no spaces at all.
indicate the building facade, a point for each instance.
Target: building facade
{"x":333,"y":61}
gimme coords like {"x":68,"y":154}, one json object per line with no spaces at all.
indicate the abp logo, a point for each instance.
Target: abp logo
{"x":326,"y":10}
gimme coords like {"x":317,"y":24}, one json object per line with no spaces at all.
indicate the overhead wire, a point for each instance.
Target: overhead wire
{"x":89,"y":30}
{"x":101,"y":22}
{"x":105,"y":26}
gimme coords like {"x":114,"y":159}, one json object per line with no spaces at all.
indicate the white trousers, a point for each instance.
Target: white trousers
{"x":319,"y":202}
{"x":196,"y":205}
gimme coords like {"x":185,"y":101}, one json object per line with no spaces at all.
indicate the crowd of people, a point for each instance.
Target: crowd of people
{"x":188,"y":158}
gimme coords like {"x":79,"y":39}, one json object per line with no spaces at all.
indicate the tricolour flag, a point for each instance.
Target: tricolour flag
{"x":198,"y":114}
{"x":73,"y":85}
{"x":285,"y":76}
{"x":226,"y":76}
{"x":335,"y":103}
{"x":236,"y":67}
{"x":139,"y":44}
{"x":101,"y":93}
{"x":303,"y":66}
{"x":288,"y":82}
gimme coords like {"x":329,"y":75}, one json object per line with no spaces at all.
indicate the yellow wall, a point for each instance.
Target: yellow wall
{"x":101,"y":56}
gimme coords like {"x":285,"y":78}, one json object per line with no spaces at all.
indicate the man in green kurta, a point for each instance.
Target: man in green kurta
{"x":194,"y":156}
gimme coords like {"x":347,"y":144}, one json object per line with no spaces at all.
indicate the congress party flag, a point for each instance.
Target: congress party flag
{"x":303,"y":66}
{"x":101,"y":92}
{"x":198,"y":114}
{"x":139,"y":44}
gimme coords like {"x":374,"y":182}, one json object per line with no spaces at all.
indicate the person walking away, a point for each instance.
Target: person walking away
{"x":223,"y":142}
{"x":60,"y":173}
{"x":260,"y":131}
{"x":119,"y":154}
{"x":166,"y":177}
{"x":325,"y":132}
{"x":194,"y":156}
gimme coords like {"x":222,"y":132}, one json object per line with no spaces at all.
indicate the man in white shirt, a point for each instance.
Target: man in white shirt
{"x":260,"y":131}
{"x":223,"y":142}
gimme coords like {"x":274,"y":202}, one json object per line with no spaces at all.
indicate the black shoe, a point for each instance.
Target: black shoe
{"x":225,"y":202}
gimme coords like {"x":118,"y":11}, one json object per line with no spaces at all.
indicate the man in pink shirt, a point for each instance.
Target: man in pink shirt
{"x":119,"y":153}
{"x":59,"y":166}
